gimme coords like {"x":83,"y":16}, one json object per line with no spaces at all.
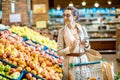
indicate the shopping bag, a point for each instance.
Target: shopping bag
{"x":70,"y":76}
{"x":93,"y":55}
{"x":108,"y":71}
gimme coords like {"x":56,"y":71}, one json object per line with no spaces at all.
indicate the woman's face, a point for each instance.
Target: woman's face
{"x":68,"y":17}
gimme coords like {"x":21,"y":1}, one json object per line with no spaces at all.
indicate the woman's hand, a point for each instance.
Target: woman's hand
{"x":83,"y":43}
{"x":73,"y":45}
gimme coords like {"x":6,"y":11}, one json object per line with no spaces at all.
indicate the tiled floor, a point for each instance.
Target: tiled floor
{"x":112,"y":58}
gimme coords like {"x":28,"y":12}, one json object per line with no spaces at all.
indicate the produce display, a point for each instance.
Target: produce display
{"x":34,"y":36}
{"x":7,"y":70}
{"x":32,"y":58}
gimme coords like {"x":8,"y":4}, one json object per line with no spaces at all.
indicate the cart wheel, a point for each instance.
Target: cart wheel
{"x":72,"y":65}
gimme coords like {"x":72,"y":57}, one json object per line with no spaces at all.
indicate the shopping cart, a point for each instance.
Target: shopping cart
{"x":87,"y":71}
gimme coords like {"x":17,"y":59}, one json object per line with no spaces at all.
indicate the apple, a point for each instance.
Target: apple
{"x":33,"y":78}
{"x":28,"y":76}
{"x":7,"y":68}
{"x":12,"y":70}
{"x":1,"y":63}
{"x":28,"y":69}
{"x":34,"y":72}
{"x":1,"y":77}
{"x":2,"y":67}
{"x":8,"y":54}
{"x":31,"y":65}
{"x":15,"y":75}
{"x":19,"y":69}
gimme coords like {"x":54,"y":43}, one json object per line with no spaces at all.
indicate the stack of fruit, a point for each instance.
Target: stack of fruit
{"x":29,"y":76}
{"x":34,"y":36}
{"x":9,"y":72}
{"x":15,"y":51}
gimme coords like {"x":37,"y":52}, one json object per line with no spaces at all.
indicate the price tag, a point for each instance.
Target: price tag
{"x":41,"y":24}
{"x":15,"y":18}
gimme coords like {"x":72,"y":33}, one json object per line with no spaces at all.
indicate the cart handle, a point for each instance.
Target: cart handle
{"x":72,"y":65}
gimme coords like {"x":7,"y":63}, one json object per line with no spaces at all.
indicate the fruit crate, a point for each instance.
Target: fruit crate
{"x":12,"y":66}
{"x":30,"y":76}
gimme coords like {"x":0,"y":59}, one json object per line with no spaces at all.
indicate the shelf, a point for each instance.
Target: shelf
{"x":55,"y":18}
{"x":111,"y":23}
{"x":116,"y":13}
{"x":54,"y":24}
{"x":104,"y":39}
{"x":110,"y":30}
{"x":107,"y":51}
{"x":90,"y":23}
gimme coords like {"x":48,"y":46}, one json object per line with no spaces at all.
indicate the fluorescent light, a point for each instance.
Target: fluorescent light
{"x":58,"y":7}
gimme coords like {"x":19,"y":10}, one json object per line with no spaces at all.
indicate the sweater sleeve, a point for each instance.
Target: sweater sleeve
{"x":62,"y":51}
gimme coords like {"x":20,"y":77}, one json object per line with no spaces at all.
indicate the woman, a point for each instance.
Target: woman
{"x":72,"y":38}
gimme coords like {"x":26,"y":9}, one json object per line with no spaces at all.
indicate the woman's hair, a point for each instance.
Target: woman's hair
{"x":75,"y":12}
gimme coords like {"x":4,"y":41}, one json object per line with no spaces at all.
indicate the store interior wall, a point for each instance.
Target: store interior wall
{"x":20,"y":8}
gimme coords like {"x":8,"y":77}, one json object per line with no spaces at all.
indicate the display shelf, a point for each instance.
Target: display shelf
{"x":105,"y":13}
{"x":110,"y":30}
{"x":92,"y":23}
{"x":40,"y":59}
{"x":107,"y":51}
{"x":103,"y":39}
{"x":111,"y":22}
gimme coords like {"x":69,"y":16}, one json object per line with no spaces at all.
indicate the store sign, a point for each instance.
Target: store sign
{"x":39,"y":8}
{"x":15,"y":18}
{"x":41,"y":24}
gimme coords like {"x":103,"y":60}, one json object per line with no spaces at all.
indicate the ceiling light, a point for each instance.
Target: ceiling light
{"x":83,"y":3}
{"x":58,"y":7}
{"x":71,"y":4}
{"x":109,"y":2}
{"x":96,"y":4}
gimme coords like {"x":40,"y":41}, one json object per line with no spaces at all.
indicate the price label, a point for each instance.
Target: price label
{"x":15,"y":18}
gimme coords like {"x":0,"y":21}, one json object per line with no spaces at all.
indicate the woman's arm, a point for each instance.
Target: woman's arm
{"x":62,"y":51}
{"x":87,"y":44}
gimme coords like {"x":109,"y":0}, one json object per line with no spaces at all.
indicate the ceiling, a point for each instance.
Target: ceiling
{"x":77,"y":3}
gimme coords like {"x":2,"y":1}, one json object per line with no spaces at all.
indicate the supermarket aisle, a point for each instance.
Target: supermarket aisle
{"x":112,"y":58}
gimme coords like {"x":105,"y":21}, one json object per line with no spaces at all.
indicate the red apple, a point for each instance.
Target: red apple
{"x":28,"y":76}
